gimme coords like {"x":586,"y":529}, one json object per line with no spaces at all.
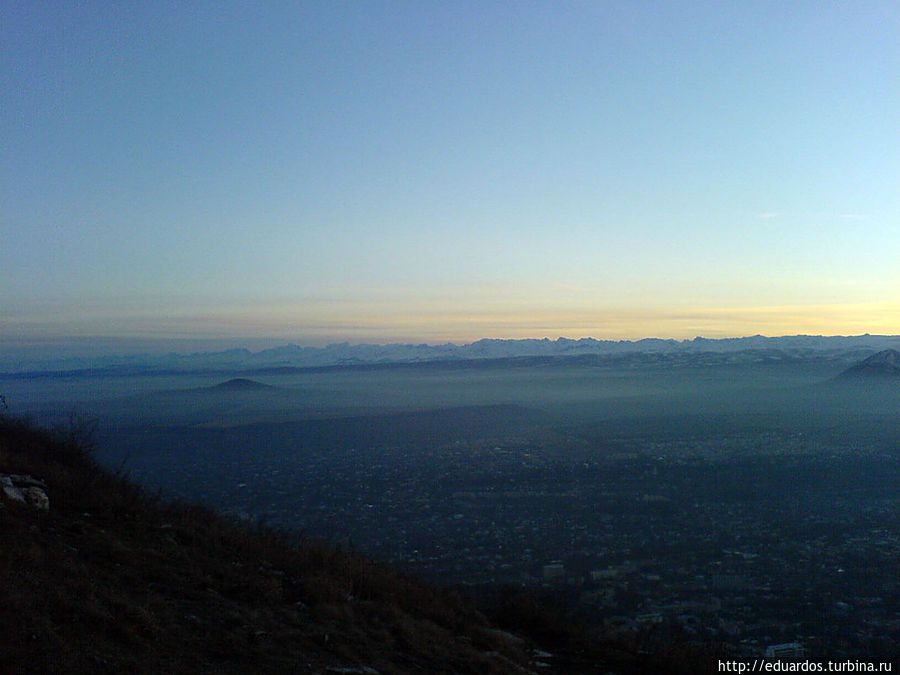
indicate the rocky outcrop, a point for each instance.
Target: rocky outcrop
{"x":25,"y":490}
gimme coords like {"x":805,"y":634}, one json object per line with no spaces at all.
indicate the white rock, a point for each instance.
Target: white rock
{"x":27,"y":481}
{"x":37,"y":498}
{"x":13,"y":493}
{"x":25,"y":489}
{"x":10,"y":491}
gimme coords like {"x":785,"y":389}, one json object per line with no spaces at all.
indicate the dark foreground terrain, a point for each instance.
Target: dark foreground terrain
{"x":111,"y":579}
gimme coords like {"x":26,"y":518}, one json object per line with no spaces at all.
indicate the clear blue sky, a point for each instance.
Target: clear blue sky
{"x":431,"y":171}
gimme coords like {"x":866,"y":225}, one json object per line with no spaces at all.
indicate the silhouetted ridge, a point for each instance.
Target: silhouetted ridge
{"x":883,"y":364}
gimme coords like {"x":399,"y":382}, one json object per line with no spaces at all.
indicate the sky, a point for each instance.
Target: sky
{"x":318,"y":172}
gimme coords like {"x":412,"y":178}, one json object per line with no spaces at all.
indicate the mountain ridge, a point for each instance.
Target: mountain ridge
{"x":848,"y":348}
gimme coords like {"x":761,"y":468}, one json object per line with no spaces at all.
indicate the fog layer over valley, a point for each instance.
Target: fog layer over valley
{"x":744,"y":497}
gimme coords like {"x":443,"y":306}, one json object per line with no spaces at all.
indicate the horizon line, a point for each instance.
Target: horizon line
{"x":101,"y":340}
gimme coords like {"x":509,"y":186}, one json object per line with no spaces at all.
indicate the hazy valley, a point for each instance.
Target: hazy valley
{"x":740,"y":498}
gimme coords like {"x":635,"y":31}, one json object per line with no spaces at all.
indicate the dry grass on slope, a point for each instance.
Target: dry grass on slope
{"x":114,"y":580}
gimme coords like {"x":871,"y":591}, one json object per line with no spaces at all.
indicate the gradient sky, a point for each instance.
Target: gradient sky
{"x":433,"y":171}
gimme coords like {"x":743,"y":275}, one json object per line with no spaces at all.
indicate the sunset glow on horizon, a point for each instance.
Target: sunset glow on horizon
{"x":445,"y":172}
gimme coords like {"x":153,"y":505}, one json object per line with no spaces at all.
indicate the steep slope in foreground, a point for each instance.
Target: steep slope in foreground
{"x":109,"y":579}
{"x":112,"y":580}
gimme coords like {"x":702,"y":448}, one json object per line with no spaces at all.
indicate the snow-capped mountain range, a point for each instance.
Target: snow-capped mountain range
{"x":849,"y":348}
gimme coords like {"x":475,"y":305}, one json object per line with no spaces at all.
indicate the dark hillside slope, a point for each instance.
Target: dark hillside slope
{"x":113,"y":580}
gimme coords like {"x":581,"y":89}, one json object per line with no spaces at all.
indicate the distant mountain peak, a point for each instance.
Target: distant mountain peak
{"x":241,"y":384}
{"x":885,"y":363}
